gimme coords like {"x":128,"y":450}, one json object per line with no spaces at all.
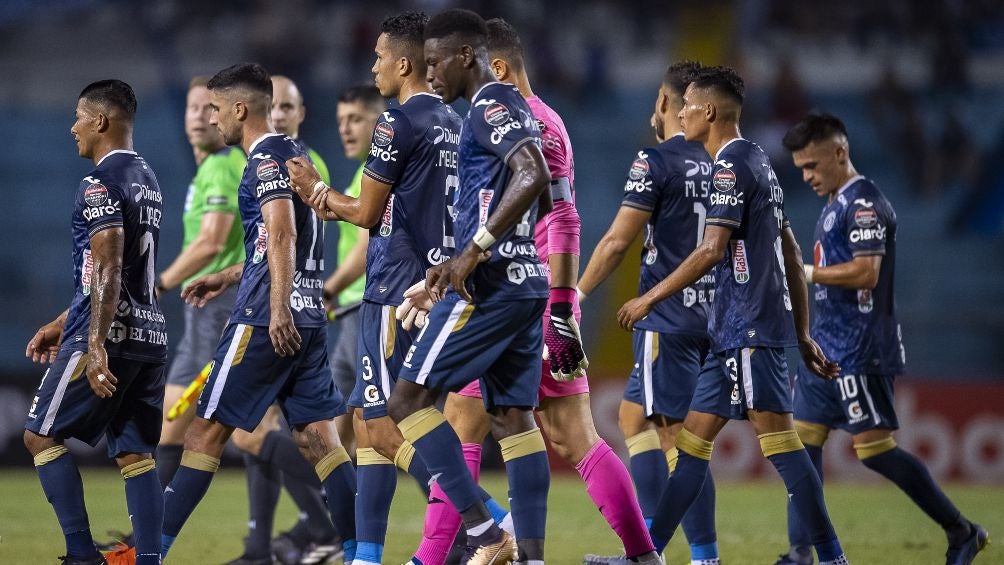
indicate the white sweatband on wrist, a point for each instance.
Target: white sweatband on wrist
{"x":319,"y":185}
{"x":483,"y":238}
{"x":808,"y":272}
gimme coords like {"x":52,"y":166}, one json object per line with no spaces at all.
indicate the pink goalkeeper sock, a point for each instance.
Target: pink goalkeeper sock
{"x":442,"y":521}
{"x":609,"y":485}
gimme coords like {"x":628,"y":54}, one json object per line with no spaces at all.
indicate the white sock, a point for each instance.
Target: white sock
{"x":480,"y":528}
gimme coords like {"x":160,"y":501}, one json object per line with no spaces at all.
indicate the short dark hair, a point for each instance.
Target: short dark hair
{"x":679,"y":75}
{"x":504,"y":40}
{"x":467,"y":24}
{"x":407,"y":29}
{"x":366,"y":94}
{"x":113,"y":93}
{"x":723,"y":80}
{"x":813,"y":127}
{"x":250,"y":76}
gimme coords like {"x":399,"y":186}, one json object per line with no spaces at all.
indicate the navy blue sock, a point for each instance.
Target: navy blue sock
{"x":376,"y":480}
{"x":529,"y":482}
{"x":339,"y":483}
{"x":440,"y":449}
{"x":913,"y":478}
{"x":682,"y":489}
{"x":805,"y":491}
{"x":649,"y":471}
{"x":145,"y":501}
{"x":184,"y":493}
{"x":263,"y":497}
{"x":699,"y":523}
{"x":798,"y":537}
{"x":168,"y":457}
{"x":65,"y":492}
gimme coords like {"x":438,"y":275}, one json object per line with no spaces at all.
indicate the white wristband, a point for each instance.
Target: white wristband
{"x":319,"y":185}
{"x":483,"y":238}
{"x":808,"y":273}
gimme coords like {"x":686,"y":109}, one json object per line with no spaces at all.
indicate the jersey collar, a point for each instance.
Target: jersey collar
{"x":259,"y":140}
{"x":432,"y":94}
{"x":112,"y":152}
{"x":727,"y":143}
{"x":848,"y":184}
{"x":483,"y":86}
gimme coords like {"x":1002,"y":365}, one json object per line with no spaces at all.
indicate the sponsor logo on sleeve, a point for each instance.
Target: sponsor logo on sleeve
{"x":96,"y":194}
{"x":740,"y":263}
{"x":260,"y":245}
{"x":86,"y":271}
{"x":724,"y":180}
{"x":217,"y":201}
{"x":496,"y":114}
{"x":484,"y":203}
{"x":387,"y":220}
{"x":867,"y":234}
{"x":865,"y":217}
{"x":639,"y":169}
{"x":383,"y":134}
{"x":268,"y":169}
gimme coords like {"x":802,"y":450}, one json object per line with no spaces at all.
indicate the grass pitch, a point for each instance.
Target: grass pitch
{"x":877,"y":524}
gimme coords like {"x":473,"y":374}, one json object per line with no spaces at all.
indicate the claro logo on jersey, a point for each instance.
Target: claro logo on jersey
{"x":740,"y":263}
{"x":716,"y":199}
{"x":485,"y":197}
{"x":107,"y":209}
{"x":260,"y":245}
{"x":86,"y":271}
{"x":387,"y":221}
{"x":873,"y":234}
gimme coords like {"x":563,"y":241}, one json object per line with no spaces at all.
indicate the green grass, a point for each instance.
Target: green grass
{"x":876,"y":523}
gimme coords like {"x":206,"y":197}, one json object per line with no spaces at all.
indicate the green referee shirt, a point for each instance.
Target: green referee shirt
{"x":214,"y":189}
{"x":348,"y":236}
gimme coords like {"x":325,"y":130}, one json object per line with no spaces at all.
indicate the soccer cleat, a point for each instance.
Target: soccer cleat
{"x":650,"y":558}
{"x":501,"y":552}
{"x":787,"y":559}
{"x":245,"y":560}
{"x":285,"y":550}
{"x":321,"y":553}
{"x":67,"y":560}
{"x":965,"y":553}
{"x":120,"y":540}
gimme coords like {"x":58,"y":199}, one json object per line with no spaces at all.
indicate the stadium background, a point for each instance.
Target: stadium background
{"x":918,"y":83}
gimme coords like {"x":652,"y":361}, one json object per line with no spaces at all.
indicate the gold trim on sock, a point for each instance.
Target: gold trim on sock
{"x":693,"y":445}
{"x":522,"y":444}
{"x":812,"y":433}
{"x":414,"y":427}
{"x":331,"y":461}
{"x":774,"y":443}
{"x":370,"y":456}
{"x":645,"y":441}
{"x":138,"y":468}
{"x":672,"y":456}
{"x":404,"y":455}
{"x":49,"y":455}
{"x":873,"y":448}
{"x":200,"y":461}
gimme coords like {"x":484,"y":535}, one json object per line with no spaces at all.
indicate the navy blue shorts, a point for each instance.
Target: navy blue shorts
{"x":383,"y":344}
{"x":248,"y":376}
{"x":501,"y":342}
{"x":665,"y":372}
{"x":65,"y":406}
{"x":737,"y":380}
{"x":853,"y":403}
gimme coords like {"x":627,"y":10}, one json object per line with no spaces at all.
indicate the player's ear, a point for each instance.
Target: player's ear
{"x":240,"y":110}
{"x":499,"y":68}
{"x":404,"y":67}
{"x":101,"y":122}
{"x":710,"y":112}
{"x":468,"y":55}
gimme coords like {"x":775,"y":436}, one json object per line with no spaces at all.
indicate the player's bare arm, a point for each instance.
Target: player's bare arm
{"x":44,"y":344}
{"x":612,"y":248}
{"x":280,"y":224}
{"x":106,"y":249}
{"x":207,"y":287}
{"x":211,"y":240}
{"x":811,"y":353}
{"x":333,"y":205}
{"x":696,"y":265}
{"x":862,"y":272}
{"x":530,"y":177}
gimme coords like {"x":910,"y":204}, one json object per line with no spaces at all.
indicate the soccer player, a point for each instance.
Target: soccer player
{"x":112,"y":333}
{"x":854,"y":260}
{"x":666,"y":195}
{"x":488,"y":325}
{"x":409,"y":176}
{"x":760,"y":307}
{"x":213,"y":241}
{"x":274,"y":345}
{"x":564,"y":400}
{"x":271,"y":458}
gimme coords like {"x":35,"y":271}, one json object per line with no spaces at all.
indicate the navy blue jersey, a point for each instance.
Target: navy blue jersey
{"x":414,"y":149}
{"x":266,"y":179}
{"x":121,"y":192}
{"x":498,"y":123}
{"x":672,"y":182}
{"x":752,"y":307}
{"x":858,"y":328}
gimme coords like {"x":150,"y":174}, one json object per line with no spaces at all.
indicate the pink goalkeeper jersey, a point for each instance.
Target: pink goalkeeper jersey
{"x":557,"y":231}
